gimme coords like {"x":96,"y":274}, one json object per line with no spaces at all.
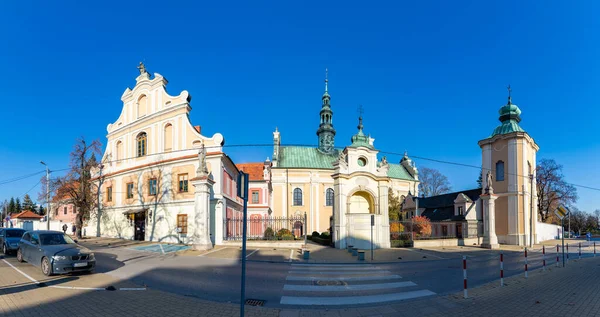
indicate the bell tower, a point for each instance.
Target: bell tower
{"x":326,"y":132}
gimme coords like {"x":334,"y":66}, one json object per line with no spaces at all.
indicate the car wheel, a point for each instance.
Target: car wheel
{"x":46,"y":267}
{"x":20,"y":256}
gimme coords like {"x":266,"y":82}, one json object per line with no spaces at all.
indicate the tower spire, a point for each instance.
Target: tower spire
{"x":326,"y":81}
{"x":509,"y":93}
{"x":360,"y":113}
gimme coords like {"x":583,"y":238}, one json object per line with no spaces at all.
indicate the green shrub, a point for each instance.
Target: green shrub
{"x":269,"y":234}
{"x":315,"y":234}
{"x":283,"y":232}
{"x":325,"y":235}
{"x":401,"y":243}
{"x":287,"y":237}
{"x":321,"y":241}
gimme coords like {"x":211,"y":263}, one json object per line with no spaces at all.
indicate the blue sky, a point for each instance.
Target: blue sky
{"x":431,"y":76}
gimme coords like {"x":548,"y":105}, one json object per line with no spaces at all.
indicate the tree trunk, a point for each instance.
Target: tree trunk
{"x":79,"y":225}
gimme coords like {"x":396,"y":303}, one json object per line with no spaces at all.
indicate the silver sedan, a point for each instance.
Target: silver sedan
{"x":55,"y":253}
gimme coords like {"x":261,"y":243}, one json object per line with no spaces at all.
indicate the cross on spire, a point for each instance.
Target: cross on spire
{"x":360,"y":111}
{"x":509,"y":94}
{"x":326,"y":81}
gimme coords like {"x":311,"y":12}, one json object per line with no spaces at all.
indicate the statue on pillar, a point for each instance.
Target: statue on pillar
{"x":202,"y":168}
{"x":488,"y":183}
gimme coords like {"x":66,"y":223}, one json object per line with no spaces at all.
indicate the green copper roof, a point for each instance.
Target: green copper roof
{"x":308,"y":157}
{"x":305,"y":157}
{"x":360,"y":139}
{"x":398,"y":171}
{"x":507,"y":127}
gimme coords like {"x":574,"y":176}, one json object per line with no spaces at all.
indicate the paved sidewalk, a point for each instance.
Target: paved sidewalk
{"x":573,"y":290}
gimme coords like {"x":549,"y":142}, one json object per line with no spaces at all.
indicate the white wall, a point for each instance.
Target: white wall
{"x":546,"y":231}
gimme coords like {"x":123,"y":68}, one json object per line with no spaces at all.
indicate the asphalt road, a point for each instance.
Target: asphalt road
{"x":295,"y":285}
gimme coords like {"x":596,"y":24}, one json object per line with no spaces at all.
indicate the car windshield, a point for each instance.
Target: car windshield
{"x":55,"y":239}
{"x":14,"y":233}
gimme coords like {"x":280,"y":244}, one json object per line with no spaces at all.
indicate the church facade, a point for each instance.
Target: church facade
{"x":161,"y":179}
{"x":338,"y":188}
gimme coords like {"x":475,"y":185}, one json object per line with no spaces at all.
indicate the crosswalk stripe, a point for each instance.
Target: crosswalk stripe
{"x":353,"y":300}
{"x":343,"y":288}
{"x":336,"y":273}
{"x":334,"y":269}
{"x":345,"y":279}
{"x":331,"y":265}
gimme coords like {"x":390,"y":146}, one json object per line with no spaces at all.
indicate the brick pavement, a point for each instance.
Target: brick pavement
{"x":557,"y":292}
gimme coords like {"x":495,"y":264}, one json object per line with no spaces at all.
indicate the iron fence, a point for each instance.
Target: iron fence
{"x":266,"y":228}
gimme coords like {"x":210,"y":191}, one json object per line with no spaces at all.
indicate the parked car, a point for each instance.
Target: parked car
{"x":55,"y":253}
{"x":9,"y":239}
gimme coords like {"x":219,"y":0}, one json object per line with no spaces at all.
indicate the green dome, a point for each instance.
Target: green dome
{"x":510,"y":116}
{"x":510,"y":109}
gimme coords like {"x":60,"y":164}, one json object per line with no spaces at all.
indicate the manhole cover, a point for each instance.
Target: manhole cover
{"x":330,"y":283}
{"x":255,"y":302}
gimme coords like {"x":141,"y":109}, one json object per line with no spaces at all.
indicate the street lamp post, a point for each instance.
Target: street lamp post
{"x":100,"y":181}
{"x":47,"y":196}
{"x":531,"y":213}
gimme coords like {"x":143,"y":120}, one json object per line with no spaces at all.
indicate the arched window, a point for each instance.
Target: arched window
{"x":329,"y":197}
{"x":142,"y":106}
{"x":168,"y":138}
{"x":119,"y":151}
{"x":499,"y":171}
{"x":297,"y":197}
{"x":141,"y":142}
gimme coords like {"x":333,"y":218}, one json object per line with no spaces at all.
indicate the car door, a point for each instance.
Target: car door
{"x":35,"y":250}
{"x":24,"y":245}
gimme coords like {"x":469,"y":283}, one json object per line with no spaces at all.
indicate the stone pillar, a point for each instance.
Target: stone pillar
{"x":201,"y":238}
{"x":490,"y":240}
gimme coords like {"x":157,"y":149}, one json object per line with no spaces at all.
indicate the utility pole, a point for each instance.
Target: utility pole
{"x":569,"y":225}
{"x":100,"y":181}
{"x":47,"y":196}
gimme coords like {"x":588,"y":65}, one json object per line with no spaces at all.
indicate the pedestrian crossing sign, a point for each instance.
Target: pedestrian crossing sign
{"x":561,"y":211}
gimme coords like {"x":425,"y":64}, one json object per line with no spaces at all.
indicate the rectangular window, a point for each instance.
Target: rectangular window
{"x":182,"y":224}
{"x":129,"y":190}
{"x":183,"y":183}
{"x":152,"y":186}
{"x":255,"y":197}
{"x":460,"y":210}
{"x":65,"y":210}
{"x":444,"y":231}
{"x":109,"y":194}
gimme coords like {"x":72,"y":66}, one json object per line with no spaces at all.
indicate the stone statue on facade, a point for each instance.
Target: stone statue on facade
{"x":488,"y":183}
{"x":384,"y":161}
{"x":342,"y":157}
{"x":142,"y":68}
{"x":202,"y":168}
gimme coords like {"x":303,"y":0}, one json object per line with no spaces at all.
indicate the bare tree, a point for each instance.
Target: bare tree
{"x":597,"y":214}
{"x":552,"y":189}
{"x":76,"y":186}
{"x":432,"y":182}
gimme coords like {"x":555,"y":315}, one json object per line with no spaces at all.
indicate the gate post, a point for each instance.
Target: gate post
{"x":305,"y":228}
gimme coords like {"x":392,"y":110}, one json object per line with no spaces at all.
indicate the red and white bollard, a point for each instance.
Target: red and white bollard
{"x":525,"y":262}
{"x":465,"y":276}
{"x":594,"y":248}
{"x":544,"y":256}
{"x":557,"y":252}
{"x":501,"y":269}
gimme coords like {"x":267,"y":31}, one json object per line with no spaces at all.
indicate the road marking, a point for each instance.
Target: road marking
{"x":23,"y":273}
{"x":251,"y":253}
{"x":428,"y":254}
{"x":342,"y":288}
{"x":353,"y":300}
{"x":294,"y":269}
{"x":346,"y":279}
{"x":333,"y":273}
{"x":213,"y":251}
{"x":80,"y":288}
{"x":132,"y":289}
{"x":291,"y":255}
{"x":331,"y":265}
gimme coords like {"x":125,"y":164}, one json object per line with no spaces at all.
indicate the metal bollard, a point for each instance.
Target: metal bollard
{"x":567,"y":253}
{"x":525,"y":262}
{"x":350,"y":248}
{"x":594,"y":248}
{"x":544,"y":256}
{"x":306,"y":254}
{"x":580,"y":250}
{"x":354,"y":251}
{"x":361,"y":255}
{"x":501,"y":269}
{"x":557,"y":262}
{"x":465,"y":276}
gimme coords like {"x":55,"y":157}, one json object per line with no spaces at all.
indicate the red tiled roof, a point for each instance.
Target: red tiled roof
{"x":255,"y":170}
{"x":27,"y":214}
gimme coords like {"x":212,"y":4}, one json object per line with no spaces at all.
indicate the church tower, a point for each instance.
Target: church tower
{"x":326,"y":132}
{"x":509,"y":154}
